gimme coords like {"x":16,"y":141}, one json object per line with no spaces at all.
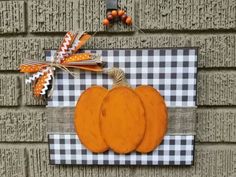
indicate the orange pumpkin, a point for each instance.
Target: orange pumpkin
{"x":123,"y":119}
{"x":156,"y":118}
{"x":87,"y":119}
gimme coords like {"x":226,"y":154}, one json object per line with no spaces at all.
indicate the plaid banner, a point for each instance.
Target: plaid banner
{"x":171,"y":71}
{"x":67,"y":149}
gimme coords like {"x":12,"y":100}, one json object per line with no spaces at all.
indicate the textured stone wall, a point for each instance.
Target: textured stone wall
{"x":27,"y":27}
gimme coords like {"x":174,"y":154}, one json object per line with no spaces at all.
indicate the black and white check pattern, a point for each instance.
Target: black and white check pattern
{"x":171,"y":71}
{"x":174,"y":150}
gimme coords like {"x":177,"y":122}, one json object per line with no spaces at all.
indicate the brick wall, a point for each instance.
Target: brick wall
{"x":27,"y":27}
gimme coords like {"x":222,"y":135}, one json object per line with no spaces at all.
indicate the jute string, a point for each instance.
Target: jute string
{"x":118,"y":77}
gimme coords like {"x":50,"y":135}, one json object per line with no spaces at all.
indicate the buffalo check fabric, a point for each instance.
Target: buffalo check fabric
{"x":174,"y":150}
{"x":171,"y":71}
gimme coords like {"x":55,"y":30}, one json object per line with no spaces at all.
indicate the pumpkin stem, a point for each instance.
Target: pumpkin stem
{"x":118,"y":77}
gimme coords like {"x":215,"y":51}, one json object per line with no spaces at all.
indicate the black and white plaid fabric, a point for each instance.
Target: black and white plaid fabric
{"x":174,"y":150}
{"x":171,"y":71}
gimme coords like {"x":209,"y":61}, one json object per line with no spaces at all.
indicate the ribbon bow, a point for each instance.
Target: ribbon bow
{"x":66,"y":57}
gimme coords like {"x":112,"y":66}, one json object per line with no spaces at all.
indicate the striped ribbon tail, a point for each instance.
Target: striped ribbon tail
{"x":65,"y":45}
{"x":43,"y":82}
{"x":79,"y":41}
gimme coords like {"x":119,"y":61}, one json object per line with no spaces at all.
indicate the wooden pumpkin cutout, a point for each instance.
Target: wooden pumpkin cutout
{"x":127,"y":120}
{"x":156,"y":118}
{"x":87,"y":121}
{"x":122,"y":115}
{"x":122,"y":119}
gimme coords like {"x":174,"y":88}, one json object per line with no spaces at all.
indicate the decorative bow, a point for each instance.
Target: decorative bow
{"x":66,"y":57}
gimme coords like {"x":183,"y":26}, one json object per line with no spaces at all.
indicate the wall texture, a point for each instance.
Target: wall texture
{"x":27,"y":27}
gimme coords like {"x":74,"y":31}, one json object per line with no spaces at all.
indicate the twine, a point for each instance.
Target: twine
{"x":118,"y":77}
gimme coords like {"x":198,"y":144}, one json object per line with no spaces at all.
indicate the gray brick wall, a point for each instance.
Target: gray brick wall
{"x":28,"y":27}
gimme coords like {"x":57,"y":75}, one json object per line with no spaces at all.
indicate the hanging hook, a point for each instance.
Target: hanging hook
{"x":112,"y":5}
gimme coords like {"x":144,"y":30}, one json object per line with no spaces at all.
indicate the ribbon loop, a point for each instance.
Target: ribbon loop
{"x":65,"y":57}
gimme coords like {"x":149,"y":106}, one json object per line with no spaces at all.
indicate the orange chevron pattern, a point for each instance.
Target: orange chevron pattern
{"x":40,"y":84}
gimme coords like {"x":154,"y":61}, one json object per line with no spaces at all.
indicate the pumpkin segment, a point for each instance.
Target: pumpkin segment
{"x":122,"y":116}
{"x":156,"y":118}
{"x":87,"y":119}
